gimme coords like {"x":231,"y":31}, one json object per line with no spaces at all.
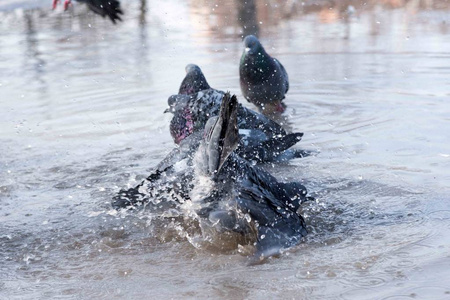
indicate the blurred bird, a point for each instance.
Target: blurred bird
{"x":110,"y":8}
{"x":264,"y":81}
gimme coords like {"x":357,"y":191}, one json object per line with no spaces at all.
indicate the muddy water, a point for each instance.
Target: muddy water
{"x":81,"y":116}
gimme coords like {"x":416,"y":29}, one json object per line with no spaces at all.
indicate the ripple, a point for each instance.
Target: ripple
{"x":365,"y":281}
{"x":440,"y":215}
{"x":359,"y":293}
{"x":424,"y":292}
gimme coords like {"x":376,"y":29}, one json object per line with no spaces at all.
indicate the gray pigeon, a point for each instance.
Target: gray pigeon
{"x":243,"y":198}
{"x":262,"y":139}
{"x":264,"y":81}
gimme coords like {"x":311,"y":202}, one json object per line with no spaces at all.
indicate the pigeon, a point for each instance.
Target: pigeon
{"x":110,"y":8}
{"x":244,"y":198}
{"x":263,"y":140}
{"x":264,"y":81}
{"x":254,"y":145}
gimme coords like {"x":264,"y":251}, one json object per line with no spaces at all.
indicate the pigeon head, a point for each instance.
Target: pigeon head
{"x":255,"y":62}
{"x":177,"y":102}
{"x":181,"y":125}
{"x":194,"y":81}
{"x":253,"y":46}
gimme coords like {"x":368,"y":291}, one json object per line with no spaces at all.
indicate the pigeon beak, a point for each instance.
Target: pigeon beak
{"x":167,"y":110}
{"x":247,"y":49}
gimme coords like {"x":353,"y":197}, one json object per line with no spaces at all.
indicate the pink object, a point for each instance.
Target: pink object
{"x":280,"y":108}
{"x":67,"y":3}
{"x":55,"y":4}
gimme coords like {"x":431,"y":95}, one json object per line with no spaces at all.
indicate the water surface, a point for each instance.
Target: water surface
{"x":81,"y":117}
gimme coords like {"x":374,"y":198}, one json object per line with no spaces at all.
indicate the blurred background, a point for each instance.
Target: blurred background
{"x":81,"y":116}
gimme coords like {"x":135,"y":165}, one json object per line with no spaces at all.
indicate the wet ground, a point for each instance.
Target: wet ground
{"x":81,"y":117}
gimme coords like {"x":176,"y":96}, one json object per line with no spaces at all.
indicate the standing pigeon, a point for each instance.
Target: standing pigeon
{"x":110,"y":8}
{"x":264,"y":81}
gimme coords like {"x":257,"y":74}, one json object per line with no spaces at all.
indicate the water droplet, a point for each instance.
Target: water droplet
{"x":248,"y":218}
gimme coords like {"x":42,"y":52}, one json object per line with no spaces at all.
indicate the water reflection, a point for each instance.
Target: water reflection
{"x":33,"y":55}
{"x":247,"y":17}
{"x":241,"y":18}
{"x":143,"y":12}
{"x":251,"y":14}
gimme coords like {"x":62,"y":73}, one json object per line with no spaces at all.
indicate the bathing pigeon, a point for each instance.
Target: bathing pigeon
{"x":245,"y":198}
{"x":264,"y":81}
{"x":240,"y":198}
{"x":262,"y":139}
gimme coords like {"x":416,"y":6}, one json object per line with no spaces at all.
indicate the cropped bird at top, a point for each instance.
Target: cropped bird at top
{"x":264,"y":81}
{"x":110,"y":8}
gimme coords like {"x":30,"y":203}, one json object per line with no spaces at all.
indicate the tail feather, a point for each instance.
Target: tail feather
{"x":271,"y":149}
{"x":221,"y":134}
{"x":230,"y":133}
{"x":110,"y":8}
